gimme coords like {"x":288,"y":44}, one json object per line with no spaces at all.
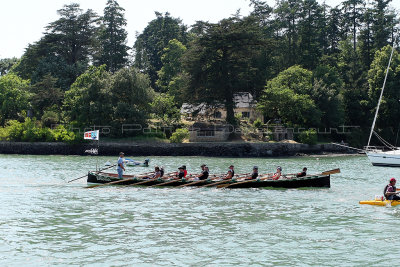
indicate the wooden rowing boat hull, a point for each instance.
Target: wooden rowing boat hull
{"x":311,"y":181}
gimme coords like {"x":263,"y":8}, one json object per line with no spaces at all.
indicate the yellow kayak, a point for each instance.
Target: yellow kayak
{"x":381,"y":202}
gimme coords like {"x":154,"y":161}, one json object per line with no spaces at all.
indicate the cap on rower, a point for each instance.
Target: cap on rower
{"x":255,"y":168}
{"x":279,"y":168}
{"x":203,"y":165}
{"x":181,"y":168}
{"x":392,"y":180}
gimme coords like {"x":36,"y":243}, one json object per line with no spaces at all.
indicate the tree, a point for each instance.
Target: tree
{"x":155,"y":37}
{"x":220,"y":62}
{"x":164,"y":109}
{"x":65,"y":49}
{"x":131,"y":95}
{"x":287,"y":97}
{"x":326,"y":93}
{"x":355,"y":86}
{"x":14,"y":97}
{"x":287,"y":14}
{"x":382,"y":24}
{"x":88,"y":102}
{"x":352,"y":15}
{"x":172,"y":65}
{"x":113,"y":37}
{"x":312,"y":27}
{"x":388,"y":119}
{"x":46,"y":95}
{"x":6,"y":65}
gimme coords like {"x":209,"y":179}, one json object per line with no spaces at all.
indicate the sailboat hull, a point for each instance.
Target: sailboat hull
{"x":385,"y":159}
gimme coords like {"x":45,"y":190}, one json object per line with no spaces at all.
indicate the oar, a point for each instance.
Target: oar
{"x":195,"y":182}
{"x":96,"y":172}
{"x":331,"y":172}
{"x":110,"y":183}
{"x":225,"y":181}
{"x":145,"y":182}
{"x":244,"y":182}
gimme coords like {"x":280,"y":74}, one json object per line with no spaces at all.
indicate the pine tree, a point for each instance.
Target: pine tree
{"x":113,"y":38}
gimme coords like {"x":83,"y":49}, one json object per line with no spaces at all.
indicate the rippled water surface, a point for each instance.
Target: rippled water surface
{"x":46,"y":221}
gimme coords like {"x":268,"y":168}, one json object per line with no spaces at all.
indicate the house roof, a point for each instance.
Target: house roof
{"x":241,"y":100}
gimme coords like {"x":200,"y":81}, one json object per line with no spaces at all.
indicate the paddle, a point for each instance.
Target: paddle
{"x":225,"y":181}
{"x":195,"y":182}
{"x":244,"y":182}
{"x":331,"y":172}
{"x":110,"y":183}
{"x":169,"y":182}
{"x":96,"y":172}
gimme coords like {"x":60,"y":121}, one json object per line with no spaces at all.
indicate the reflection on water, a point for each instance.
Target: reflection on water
{"x":46,"y":221}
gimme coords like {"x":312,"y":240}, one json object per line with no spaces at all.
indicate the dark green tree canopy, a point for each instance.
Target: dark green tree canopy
{"x":113,"y":51}
{"x":155,"y":37}
{"x":220,"y":62}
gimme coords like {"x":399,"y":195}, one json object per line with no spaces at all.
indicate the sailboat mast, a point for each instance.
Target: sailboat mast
{"x":380,"y":98}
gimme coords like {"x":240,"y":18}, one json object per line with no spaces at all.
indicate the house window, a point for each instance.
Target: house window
{"x":245,"y":114}
{"x":217,"y":115}
{"x":205,"y":133}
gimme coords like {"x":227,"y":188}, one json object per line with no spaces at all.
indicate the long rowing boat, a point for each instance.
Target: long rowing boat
{"x":318,"y":180}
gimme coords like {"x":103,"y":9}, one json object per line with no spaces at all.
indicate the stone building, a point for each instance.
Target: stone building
{"x":245,"y":105}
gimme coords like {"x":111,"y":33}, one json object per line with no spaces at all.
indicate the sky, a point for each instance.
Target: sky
{"x":23,"y":21}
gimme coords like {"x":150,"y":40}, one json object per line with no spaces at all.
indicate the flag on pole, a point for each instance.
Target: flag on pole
{"x":92,"y":135}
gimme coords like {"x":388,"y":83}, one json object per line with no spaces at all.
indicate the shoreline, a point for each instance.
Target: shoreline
{"x":245,"y":150}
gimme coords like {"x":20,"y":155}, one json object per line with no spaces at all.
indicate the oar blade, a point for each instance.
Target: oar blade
{"x":331,"y":172}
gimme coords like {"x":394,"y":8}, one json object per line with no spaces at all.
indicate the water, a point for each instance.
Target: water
{"x":46,"y":221}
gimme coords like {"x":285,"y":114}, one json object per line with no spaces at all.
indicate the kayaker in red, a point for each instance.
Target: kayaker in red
{"x":391,"y":191}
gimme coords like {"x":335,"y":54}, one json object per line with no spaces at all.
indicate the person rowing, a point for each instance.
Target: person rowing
{"x":184,"y":171}
{"x":204,"y":173}
{"x":278,"y":174}
{"x":303,"y":173}
{"x":254,"y":175}
{"x":181,"y":173}
{"x":230,"y":174}
{"x":157,"y":174}
{"x":390,"y":190}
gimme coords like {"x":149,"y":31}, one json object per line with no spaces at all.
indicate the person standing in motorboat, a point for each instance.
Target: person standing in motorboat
{"x":120,"y":163}
{"x":391,"y":191}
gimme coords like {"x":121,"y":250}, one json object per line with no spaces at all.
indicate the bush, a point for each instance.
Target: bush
{"x":308,"y":137}
{"x":31,"y":131}
{"x":49,"y":118}
{"x":179,"y":135}
{"x":257,"y":123}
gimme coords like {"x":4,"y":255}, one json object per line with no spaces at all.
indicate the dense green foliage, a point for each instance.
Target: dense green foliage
{"x":307,"y":64}
{"x":32,"y":131}
{"x":112,"y":49}
{"x":179,"y":135}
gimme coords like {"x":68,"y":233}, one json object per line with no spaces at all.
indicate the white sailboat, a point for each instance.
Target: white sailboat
{"x":389,"y":156}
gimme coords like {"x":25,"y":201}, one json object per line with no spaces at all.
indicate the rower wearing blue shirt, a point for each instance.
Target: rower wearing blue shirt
{"x":120,"y":168}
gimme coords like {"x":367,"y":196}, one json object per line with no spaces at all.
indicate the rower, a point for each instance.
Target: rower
{"x":181,"y":173}
{"x":157,"y":174}
{"x":231,"y":173}
{"x":120,"y":163}
{"x":204,"y":172}
{"x":184,"y":171}
{"x":303,"y":173}
{"x":254,"y":175}
{"x":278,"y":173}
{"x":391,"y":191}
{"x":162,"y":171}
